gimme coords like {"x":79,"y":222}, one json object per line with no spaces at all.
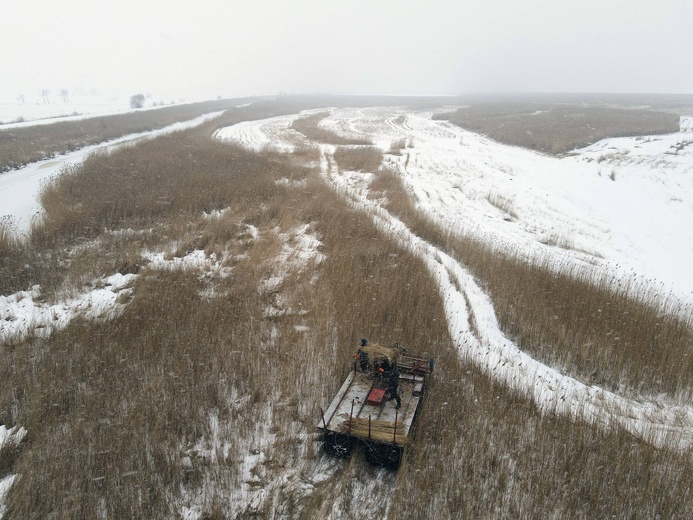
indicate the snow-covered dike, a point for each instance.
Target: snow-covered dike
{"x":578,"y":210}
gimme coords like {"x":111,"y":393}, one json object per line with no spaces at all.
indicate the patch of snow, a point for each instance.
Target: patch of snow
{"x":195,"y":260}
{"x":215,"y":214}
{"x":291,"y":183}
{"x":299,"y":249}
{"x":13,"y":435}
{"x":271,"y":137}
{"x":22,"y":313}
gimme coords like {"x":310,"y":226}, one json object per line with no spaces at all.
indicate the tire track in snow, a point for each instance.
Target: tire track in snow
{"x":475,"y":330}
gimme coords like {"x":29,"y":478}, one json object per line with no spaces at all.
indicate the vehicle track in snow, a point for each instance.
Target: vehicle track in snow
{"x":469,"y":312}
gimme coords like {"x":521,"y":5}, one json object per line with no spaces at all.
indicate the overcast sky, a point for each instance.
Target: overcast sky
{"x":247,"y":47}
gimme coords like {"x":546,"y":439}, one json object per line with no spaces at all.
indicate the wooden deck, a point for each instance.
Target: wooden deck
{"x":350,"y":414}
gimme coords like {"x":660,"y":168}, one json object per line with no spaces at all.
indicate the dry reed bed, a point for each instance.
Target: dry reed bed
{"x":310,"y":127}
{"x":20,"y":146}
{"x":114,"y":409}
{"x":558,"y":128}
{"x":132,"y":391}
{"x":482,"y":452}
{"x":588,"y":329}
{"x":361,"y":158}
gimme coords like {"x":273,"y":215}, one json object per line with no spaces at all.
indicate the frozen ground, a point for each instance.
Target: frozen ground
{"x":621,"y":205}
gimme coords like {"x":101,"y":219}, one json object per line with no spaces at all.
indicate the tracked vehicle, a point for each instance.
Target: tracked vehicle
{"x":364,"y":410}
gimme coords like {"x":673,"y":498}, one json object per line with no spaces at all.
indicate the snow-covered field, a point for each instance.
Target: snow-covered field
{"x":621,"y":207}
{"x":622,"y":204}
{"x":33,"y":109}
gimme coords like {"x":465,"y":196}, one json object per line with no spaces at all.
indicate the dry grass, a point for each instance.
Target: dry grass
{"x":358,"y":158}
{"x":400,"y":144}
{"x":9,"y":452}
{"x":612,"y":335}
{"x":93,"y":385}
{"x":558,"y":128}
{"x":481,"y":452}
{"x":122,"y":415}
{"x":16,"y":260}
{"x":20,"y":146}
{"x":310,"y":127}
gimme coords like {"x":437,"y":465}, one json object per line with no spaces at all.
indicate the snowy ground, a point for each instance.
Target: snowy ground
{"x":621,"y":204}
{"x":32,"y":109}
{"x":624,"y":203}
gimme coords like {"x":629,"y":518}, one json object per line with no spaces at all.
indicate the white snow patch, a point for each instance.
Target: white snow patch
{"x":299,"y":249}
{"x":291,"y":183}
{"x":276,"y":135}
{"x":5,"y":485}
{"x":215,"y":214}
{"x":13,"y":435}
{"x":196,"y":260}
{"x":22,"y":313}
{"x":31,"y":110}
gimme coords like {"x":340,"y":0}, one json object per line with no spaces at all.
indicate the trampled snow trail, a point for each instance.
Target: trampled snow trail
{"x":471,"y":318}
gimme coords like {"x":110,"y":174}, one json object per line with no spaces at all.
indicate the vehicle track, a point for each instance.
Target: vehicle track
{"x":474,"y":328}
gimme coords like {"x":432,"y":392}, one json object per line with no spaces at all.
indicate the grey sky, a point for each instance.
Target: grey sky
{"x":244,"y":47}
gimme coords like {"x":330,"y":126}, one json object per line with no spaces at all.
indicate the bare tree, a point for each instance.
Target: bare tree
{"x":64,"y":95}
{"x":137,"y":101}
{"x":45,"y":93}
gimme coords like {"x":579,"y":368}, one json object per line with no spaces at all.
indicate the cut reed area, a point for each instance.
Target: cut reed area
{"x":310,"y":127}
{"x":203,"y":395}
{"x":585,"y":327}
{"x":558,"y":128}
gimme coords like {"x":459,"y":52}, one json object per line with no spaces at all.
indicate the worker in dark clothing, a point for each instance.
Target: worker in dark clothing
{"x":393,"y":384}
{"x":361,"y":357}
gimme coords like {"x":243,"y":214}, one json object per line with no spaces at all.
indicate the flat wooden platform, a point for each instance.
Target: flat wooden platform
{"x":350,"y":414}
